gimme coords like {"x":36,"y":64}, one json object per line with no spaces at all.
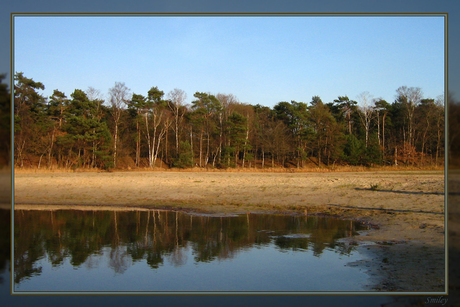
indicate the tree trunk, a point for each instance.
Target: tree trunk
{"x":51,"y":149}
{"x":263,"y":159}
{"x":153,"y":153}
{"x":319,"y":152}
{"x":396,"y":156}
{"x":207,"y":148}
{"x":138,"y":143}
{"x":220,"y":138}
{"x":367,"y":134}
{"x":424,"y":137}
{"x":438,"y":146}
{"x":166,"y":147}
{"x":40,"y":160}
{"x":383,"y":134}
{"x":93,"y":156}
{"x":177,"y":134}
{"x":201,"y":146}
{"x":228,"y":155}
{"x":158,"y":149}
{"x":160,"y":136}
{"x":148,"y":140}
{"x":246,"y":140}
{"x":191,"y":147}
{"x":237,"y":153}
{"x":20,"y":152}
{"x":214,"y":158}
{"x":349,"y":122}
{"x":115,"y":140}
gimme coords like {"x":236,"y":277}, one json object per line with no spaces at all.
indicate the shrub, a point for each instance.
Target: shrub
{"x":185,"y":159}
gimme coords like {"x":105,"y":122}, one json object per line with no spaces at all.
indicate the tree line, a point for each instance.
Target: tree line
{"x":155,"y":129}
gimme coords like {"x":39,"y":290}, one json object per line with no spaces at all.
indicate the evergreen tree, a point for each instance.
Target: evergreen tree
{"x":29,"y":108}
{"x":353,"y":150}
{"x":185,"y":159}
{"x":88,"y":139}
{"x":236,"y":129}
{"x":135,"y":109}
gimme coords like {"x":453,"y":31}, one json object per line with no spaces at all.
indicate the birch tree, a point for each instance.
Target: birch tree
{"x":156,"y":109}
{"x":366,"y":107}
{"x":118,"y":98}
{"x":176,"y":105}
{"x":410,"y":97}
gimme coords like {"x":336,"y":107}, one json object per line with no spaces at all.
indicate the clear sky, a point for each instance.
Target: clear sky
{"x":261,"y":60}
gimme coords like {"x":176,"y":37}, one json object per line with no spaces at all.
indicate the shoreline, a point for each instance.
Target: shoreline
{"x":405,"y":248}
{"x":276,"y":170}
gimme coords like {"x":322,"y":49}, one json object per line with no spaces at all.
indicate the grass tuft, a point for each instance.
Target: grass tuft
{"x":374,"y":187}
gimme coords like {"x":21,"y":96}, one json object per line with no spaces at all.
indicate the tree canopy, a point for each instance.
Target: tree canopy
{"x":216,"y":130}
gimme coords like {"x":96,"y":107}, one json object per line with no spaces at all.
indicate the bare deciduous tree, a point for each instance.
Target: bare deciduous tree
{"x":440,"y":124}
{"x":177,"y":98}
{"x":119,"y":96}
{"x":366,"y":107}
{"x":410,"y":97}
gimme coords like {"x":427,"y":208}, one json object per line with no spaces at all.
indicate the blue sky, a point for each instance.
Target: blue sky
{"x":261,"y":60}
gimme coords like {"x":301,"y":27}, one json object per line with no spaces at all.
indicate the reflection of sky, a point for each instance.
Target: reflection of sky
{"x":262,"y":268}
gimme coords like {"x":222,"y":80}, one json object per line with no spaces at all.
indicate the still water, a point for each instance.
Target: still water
{"x":161,"y":251}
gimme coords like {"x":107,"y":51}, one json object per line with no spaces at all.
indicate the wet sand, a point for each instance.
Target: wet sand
{"x":405,"y":247}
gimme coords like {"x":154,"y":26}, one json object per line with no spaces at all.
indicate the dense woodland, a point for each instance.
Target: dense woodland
{"x":154,"y":129}
{"x":5,"y":122}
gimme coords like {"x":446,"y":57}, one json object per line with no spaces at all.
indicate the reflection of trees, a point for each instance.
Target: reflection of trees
{"x":59,"y":234}
{"x":118,"y":254}
{"x":53,"y":245}
{"x":155,"y":235}
{"x":31,"y":249}
{"x":118,"y":259}
{"x":92,"y":261}
{"x":177,"y":257}
{"x":24,"y":267}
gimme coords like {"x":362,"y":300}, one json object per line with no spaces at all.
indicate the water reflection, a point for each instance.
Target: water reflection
{"x":5,"y":243}
{"x":80,"y":238}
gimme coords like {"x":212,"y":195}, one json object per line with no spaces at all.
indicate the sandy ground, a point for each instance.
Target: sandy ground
{"x":405,"y":248}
